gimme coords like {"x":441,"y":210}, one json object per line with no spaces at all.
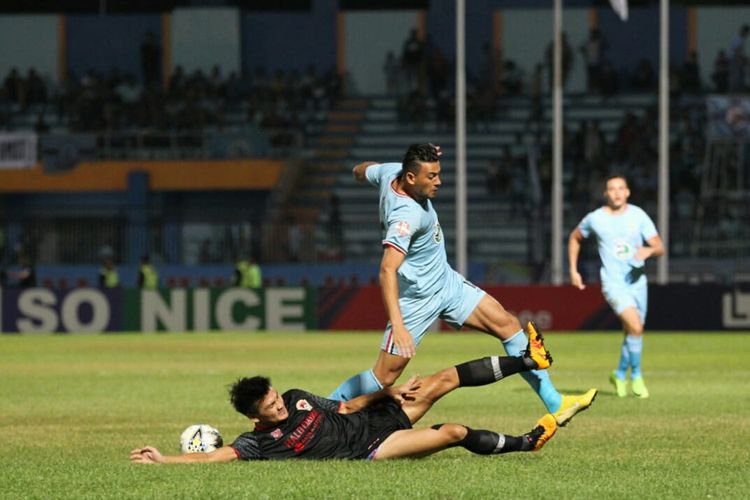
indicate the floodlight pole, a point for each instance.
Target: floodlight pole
{"x":662,"y":269}
{"x":461,"y":260}
{"x":556,"y":208}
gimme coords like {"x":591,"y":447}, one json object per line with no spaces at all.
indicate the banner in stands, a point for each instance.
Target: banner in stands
{"x":18,"y":150}
{"x":92,"y":310}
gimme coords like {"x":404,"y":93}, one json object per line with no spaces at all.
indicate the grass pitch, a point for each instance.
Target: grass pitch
{"x":72,"y":407}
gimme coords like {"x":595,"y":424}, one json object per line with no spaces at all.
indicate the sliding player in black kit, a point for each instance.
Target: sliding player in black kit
{"x":374,"y":426}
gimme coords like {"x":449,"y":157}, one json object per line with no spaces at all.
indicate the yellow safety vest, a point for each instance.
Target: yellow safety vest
{"x":150,"y":277}
{"x":249,"y":275}
{"x":111,"y":277}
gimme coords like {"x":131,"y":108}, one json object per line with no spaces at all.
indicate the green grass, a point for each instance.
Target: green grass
{"x":72,"y":407}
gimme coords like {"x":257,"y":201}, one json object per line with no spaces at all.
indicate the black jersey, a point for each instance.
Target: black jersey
{"x":315,"y":430}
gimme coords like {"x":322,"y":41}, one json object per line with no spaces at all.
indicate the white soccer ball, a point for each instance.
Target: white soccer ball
{"x":200,"y":438}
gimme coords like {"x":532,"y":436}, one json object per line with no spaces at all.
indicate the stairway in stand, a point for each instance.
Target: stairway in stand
{"x":331,"y":154}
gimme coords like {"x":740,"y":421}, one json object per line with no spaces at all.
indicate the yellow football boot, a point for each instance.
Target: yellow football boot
{"x":572,"y":405}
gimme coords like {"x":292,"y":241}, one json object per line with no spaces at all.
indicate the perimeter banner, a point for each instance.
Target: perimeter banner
{"x":677,"y":307}
{"x":93,"y":310}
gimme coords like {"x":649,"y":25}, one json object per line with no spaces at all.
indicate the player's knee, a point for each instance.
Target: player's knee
{"x":388,"y":379}
{"x":453,"y":433}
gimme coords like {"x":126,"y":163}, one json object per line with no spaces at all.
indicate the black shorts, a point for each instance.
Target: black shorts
{"x":383,"y":420}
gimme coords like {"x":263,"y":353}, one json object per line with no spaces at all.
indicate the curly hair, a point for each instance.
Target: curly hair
{"x":416,"y":154}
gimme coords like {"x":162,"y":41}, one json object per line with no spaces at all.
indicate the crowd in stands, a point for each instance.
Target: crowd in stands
{"x":93,"y":102}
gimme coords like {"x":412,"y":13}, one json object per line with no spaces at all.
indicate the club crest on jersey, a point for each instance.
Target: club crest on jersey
{"x":403,"y":229}
{"x":276,"y":433}
{"x":438,"y":234}
{"x":303,"y":405}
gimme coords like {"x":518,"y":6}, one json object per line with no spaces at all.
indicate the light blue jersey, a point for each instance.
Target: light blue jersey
{"x":412,"y":229}
{"x":618,"y":239}
{"x":428,"y":287}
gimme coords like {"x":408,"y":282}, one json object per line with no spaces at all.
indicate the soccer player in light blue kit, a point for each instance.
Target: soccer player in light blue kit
{"x":621,"y":230}
{"x":419,"y":285}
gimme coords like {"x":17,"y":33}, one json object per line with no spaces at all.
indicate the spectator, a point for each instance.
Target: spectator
{"x":108,"y":275}
{"x":567,"y":61}
{"x":593,"y":55}
{"x":150,"y":59}
{"x":148,"y":278}
{"x":720,"y":74}
{"x":690,"y":75}
{"x":412,"y":59}
{"x":737,"y":60}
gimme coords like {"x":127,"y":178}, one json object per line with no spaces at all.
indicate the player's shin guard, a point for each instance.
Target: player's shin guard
{"x":361,"y":383}
{"x":635,"y":346}
{"x":539,"y":380}
{"x":483,"y":442}
{"x":488,"y":370}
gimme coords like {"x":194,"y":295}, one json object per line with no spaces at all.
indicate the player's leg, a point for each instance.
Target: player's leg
{"x":418,"y":317}
{"x":422,"y":442}
{"x":491,"y":317}
{"x":629,"y":302}
{"x":474,"y":373}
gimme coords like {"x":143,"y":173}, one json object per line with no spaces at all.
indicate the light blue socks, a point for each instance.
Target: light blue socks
{"x":361,"y":383}
{"x":622,"y":367}
{"x":634,"y":345}
{"x":539,"y":380}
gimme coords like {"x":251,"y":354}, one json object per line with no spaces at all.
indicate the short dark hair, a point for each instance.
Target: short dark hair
{"x":245,"y":394}
{"x":616,"y":175}
{"x":416,"y":154}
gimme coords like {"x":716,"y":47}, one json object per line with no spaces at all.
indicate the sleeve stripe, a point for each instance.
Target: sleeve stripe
{"x":236,"y":452}
{"x":393,"y":245}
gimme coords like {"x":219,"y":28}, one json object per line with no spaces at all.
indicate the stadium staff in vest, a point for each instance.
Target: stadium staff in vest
{"x":148,"y":278}
{"x":108,"y":275}
{"x":247,"y":273}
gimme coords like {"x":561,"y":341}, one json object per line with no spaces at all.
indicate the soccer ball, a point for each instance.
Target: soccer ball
{"x":200,"y":438}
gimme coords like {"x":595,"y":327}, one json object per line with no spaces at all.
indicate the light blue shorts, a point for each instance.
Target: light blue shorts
{"x":622,"y":295}
{"x":454,"y":303}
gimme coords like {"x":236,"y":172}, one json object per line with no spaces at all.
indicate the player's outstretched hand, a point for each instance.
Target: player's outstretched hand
{"x":408,"y":390}
{"x":145,"y":455}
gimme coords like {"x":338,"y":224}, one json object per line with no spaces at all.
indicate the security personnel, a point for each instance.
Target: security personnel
{"x":108,"y":275}
{"x":247,"y":274}
{"x":148,"y":278}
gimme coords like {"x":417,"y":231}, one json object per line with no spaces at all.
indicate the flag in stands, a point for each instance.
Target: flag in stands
{"x":621,"y":8}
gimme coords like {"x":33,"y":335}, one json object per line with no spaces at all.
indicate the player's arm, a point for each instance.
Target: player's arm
{"x":401,"y":392}
{"x":654,"y":248}
{"x":359,"y":170}
{"x":574,"y":250}
{"x":150,"y":455}
{"x":392,"y":260}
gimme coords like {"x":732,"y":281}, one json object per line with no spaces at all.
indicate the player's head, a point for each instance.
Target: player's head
{"x":616,"y":191}
{"x":255,"y":398}
{"x":420,"y":171}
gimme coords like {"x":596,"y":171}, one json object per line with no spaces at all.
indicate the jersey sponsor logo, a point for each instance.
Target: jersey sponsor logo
{"x":276,"y":433}
{"x":303,"y":405}
{"x":437,"y":235}
{"x":623,"y":249}
{"x":403,"y":229}
{"x":305,"y":431}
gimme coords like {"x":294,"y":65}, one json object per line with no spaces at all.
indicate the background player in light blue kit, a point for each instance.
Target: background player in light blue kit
{"x":621,"y":230}
{"x":419,"y":285}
